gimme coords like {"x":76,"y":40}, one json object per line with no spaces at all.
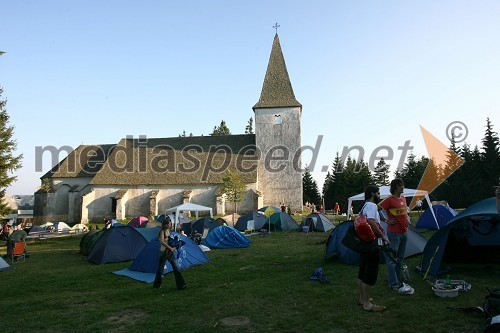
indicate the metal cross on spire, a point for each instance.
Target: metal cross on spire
{"x":276,"y":26}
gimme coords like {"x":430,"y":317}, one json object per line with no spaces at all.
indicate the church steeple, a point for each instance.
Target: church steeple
{"x":277,"y":89}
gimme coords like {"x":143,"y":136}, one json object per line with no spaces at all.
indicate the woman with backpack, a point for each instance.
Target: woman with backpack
{"x":167,"y":254}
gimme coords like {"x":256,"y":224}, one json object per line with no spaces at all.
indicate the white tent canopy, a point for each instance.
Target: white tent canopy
{"x":191,"y":207}
{"x":61,"y":227}
{"x":385,"y":191}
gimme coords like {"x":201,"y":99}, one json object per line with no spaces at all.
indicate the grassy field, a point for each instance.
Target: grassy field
{"x":263,"y":288}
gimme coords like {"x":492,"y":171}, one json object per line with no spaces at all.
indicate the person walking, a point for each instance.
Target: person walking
{"x":167,"y":254}
{"x":369,"y":261}
{"x":336,"y":209}
{"x":397,"y":230}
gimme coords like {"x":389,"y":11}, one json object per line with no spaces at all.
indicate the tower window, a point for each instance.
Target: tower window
{"x":277,"y":119}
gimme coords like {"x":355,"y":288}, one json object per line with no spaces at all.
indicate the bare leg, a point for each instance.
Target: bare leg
{"x":365,"y":292}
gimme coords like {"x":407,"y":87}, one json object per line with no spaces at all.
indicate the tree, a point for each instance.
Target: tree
{"x":381,"y":174}
{"x":222,"y":129}
{"x":490,"y":151}
{"x":335,"y":185}
{"x":234,"y":188}
{"x":183,"y":135}
{"x":8,"y":162}
{"x":453,"y":160}
{"x":412,"y":170}
{"x":310,"y":189}
{"x":249,"y":127}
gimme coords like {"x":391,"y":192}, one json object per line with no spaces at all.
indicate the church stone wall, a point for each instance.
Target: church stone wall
{"x":279,"y":145}
{"x":98,"y":203}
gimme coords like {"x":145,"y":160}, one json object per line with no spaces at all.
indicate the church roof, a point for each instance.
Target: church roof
{"x":179,"y":161}
{"x":84,"y":161}
{"x":277,"y":89}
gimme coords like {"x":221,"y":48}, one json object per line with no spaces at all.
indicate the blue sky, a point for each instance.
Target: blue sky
{"x":367,"y":73}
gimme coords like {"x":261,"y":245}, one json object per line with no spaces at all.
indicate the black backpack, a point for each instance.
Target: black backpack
{"x":491,"y":308}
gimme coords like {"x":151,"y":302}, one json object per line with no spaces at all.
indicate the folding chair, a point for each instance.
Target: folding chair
{"x":18,"y":252}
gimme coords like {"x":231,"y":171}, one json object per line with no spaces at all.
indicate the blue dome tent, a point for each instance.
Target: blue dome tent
{"x":225,"y":237}
{"x":443,"y":214}
{"x":144,"y":266}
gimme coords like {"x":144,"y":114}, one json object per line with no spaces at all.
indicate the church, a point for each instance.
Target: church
{"x":146,"y":176}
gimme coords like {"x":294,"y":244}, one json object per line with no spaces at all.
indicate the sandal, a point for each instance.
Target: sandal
{"x":375,"y":308}
{"x":369,"y":300}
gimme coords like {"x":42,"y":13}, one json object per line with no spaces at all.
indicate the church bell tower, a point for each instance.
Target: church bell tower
{"x":278,"y":136}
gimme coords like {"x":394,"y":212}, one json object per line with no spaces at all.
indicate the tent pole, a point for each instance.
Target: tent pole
{"x":432,"y":210}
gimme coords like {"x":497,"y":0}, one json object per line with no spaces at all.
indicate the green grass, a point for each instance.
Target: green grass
{"x":263,"y":288}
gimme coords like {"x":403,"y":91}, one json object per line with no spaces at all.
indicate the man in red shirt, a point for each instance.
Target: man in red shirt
{"x":397,"y":229}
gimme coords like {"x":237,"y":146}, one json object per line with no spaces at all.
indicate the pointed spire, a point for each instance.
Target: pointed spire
{"x":277,"y":89}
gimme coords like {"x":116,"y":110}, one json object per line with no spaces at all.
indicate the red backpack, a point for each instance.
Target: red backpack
{"x":364,"y":229}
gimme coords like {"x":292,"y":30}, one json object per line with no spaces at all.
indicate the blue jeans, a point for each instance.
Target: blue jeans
{"x":170,"y":257}
{"x":398,"y":244}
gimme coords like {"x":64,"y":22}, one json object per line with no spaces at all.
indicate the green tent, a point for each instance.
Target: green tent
{"x":88,"y":241}
{"x":282,"y":221}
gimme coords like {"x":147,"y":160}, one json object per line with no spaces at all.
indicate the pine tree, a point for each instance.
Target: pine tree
{"x":249,"y":127}
{"x":452,"y":188}
{"x":490,"y":151}
{"x":310,"y":189}
{"x":221,"y":130}
{"x":453,"y":160}
{"x":183,"y":135}
{"x":326,"y":184}
{"x":334,"y":187}
{"x":8,"y":162}
{"x":412,"y":170}
{"x":381,"y":174}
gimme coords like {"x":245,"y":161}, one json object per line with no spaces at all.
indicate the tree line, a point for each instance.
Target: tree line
{"x":474,"y":180}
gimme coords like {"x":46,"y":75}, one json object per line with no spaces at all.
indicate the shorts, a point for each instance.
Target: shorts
{"x":368,"y":267}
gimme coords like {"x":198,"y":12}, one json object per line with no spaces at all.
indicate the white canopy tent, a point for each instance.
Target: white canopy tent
{"x":385,"y":191}
{"x":191,"y":207}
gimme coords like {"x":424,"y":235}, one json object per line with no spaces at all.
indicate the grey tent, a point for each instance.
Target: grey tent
{"x":258,"y":218}
{"x":317,"y":222}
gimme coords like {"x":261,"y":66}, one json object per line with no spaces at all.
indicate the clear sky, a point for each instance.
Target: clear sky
{"x":367,"y":73}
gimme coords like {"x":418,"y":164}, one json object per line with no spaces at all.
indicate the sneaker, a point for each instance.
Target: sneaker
{"x":396,"y":288}
{"x":406,"y":290}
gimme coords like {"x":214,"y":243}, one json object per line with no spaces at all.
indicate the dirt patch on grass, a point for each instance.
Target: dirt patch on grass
{"x":126,"y":318}
{"x":235,"y":321}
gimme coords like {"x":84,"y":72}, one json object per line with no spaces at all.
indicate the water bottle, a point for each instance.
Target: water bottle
{"x":406,"y":273}
{"x":447,"y":281}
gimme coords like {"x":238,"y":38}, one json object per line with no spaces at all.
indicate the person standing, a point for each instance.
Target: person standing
{"x":397,"y":230}
{"x":369,"y":261}
{"x":336,"y":209}
{"x":167,"y":254}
